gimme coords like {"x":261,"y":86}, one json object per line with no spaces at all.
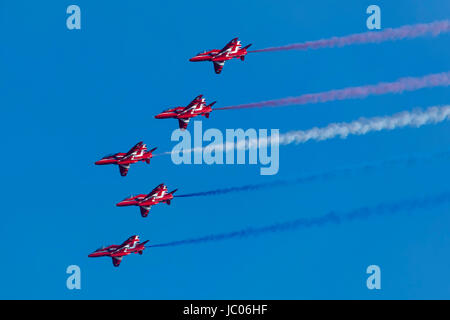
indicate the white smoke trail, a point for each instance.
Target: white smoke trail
{"x":416,"y":118}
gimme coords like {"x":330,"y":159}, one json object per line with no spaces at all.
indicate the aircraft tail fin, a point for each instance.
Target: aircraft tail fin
{"x":211,"y":104}
{"x":143,"y":243}
{"x":172,"y":192}
{"x":147,"y":160}
{"x":244,"y":49}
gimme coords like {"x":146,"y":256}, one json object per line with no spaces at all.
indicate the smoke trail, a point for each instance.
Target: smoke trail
{"x":325,"y":175}
{"x":330,"y":218}
{"x":399,"y":86}
{"x":391,"y":34}
{"x":415,"y":118}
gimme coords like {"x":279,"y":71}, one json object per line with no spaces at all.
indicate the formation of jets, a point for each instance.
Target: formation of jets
{"x":139,"y":152}
{"x":198,"y":107}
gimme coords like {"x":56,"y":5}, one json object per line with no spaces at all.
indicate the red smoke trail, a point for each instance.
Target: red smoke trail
{"x":330,"y":218}
{"x":391,"y":34}
{"x":399,"y":86}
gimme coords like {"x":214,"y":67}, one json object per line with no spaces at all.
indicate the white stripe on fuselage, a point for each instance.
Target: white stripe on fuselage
{"x":160,"y":194}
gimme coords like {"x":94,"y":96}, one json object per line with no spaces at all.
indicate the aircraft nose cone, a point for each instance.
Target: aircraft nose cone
{"x":124,"y":203}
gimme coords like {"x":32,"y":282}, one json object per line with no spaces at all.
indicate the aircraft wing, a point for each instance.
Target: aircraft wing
{"x":116,"y":261}
{"x":134,"y":149}
{"x":218,"y":66}
{"x":231,"y":44}
{"x":197,"y":100}
{"x":128,"y":156}
{"x":183,"y":123}
{"x":232,"y":47}
{"x":124,"y":169}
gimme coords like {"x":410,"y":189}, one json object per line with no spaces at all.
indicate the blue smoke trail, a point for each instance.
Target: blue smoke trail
{"x":330,"y":218}
{"x":325,"y":175}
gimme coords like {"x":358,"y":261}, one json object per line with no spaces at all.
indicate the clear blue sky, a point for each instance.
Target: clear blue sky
{"x":69,"y":97}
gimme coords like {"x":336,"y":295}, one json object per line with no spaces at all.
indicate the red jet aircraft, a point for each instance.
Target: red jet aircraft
{"x":123,"y":160}
{"x":146,"y":201}
{"x":218,"y":57}
{"x":117,"y":252}
{"x":197,"y":107}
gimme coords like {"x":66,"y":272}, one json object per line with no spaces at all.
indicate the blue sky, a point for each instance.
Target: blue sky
{"x":69,"y":97}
